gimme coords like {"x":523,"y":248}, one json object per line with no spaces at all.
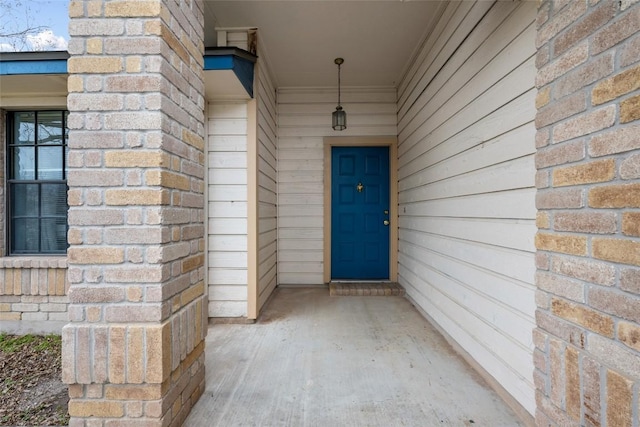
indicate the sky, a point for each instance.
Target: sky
{"x":52,"y":15}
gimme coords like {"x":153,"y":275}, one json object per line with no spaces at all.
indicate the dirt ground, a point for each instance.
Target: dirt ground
{"x":31,"y":392}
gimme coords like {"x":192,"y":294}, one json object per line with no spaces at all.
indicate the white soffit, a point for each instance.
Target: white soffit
{"x":377,"y":39}
{"x":33,"y":90}
{"x":223,"y":84}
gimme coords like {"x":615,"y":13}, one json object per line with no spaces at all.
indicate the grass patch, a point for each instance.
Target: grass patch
{"x":49,"y":342}
{"x":13,"y":343}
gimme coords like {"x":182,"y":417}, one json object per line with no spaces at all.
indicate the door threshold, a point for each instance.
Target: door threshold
{"x":360,"y":288}
{"x":360,"y":281}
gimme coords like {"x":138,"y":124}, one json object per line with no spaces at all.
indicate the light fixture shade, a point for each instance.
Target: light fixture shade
{"x":339,"y":119}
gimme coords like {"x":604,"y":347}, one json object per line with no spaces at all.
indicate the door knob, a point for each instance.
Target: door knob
{"x":385,"y":222}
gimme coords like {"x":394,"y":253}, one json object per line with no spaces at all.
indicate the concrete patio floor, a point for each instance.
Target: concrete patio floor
{"x":316,"y":360}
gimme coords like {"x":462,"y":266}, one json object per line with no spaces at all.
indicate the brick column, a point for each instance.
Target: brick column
{"x":133,"y":352}
{"x":3,"y":202}
{"x":587,"y":340}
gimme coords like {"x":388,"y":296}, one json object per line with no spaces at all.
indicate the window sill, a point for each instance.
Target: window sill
{"x":32,"y":261}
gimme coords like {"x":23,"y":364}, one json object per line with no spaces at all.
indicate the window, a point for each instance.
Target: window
{"x":37,"y":182}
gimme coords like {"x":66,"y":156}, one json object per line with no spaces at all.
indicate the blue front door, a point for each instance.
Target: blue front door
{"x":360,"y":213}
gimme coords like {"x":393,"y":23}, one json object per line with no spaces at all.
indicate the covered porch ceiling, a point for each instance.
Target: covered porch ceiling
{"x":301,"y":39}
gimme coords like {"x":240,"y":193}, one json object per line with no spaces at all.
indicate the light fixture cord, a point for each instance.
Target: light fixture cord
{"x":339,"y":65}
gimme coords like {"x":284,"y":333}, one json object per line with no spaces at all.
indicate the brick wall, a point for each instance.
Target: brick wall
{"x":33,"y":294}
{"x":3,"y":148}
{"x":133,"y":353}
{"x":587,"y":352}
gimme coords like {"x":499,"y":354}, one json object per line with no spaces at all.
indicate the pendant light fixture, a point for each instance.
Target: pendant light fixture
{"x":339,"y":117}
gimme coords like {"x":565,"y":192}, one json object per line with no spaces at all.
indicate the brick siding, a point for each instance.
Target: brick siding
{"x":33,"y":289}
{"x":3,"y":202}
{"x":587,"y":370}
{"x":133,"y":352}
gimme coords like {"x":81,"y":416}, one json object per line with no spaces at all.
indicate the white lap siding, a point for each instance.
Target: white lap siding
{"x":304,"y":119}
{"x":466,"y":185}
{"x":267,"y":155}
{"x":227,"y":208}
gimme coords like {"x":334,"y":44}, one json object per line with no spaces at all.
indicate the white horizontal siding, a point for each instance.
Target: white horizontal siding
{"x":466,"y":185}
{"x":267,"y":139}
{"x":304,"y":119}
{"x":227,"y":209}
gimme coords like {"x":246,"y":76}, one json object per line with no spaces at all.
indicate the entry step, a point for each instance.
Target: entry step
{"x":353,"y":289}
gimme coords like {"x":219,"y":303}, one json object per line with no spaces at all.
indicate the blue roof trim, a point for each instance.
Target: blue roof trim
{"x":239,"y":61}
{"x":47,"y":66}
{"x":218,"y":62}
{"x":241,"y":67}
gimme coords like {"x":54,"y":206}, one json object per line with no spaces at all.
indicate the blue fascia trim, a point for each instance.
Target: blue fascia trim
{"x":50,"y":66}
{"x":218,"y":62}
{"x":241,"y":67}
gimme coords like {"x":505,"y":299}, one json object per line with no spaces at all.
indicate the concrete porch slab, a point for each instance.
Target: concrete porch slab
{"x":314,"y":360}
